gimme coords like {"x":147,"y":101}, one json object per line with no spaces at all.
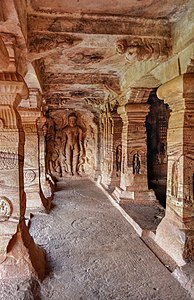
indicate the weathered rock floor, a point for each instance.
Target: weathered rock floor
{"x":94,"y":253}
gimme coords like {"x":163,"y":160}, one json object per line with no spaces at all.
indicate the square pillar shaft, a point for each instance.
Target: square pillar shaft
{"x":176,"y":240}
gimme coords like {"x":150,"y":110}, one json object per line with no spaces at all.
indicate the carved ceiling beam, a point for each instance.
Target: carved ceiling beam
{"x":60,"y":80}
{"x":80,"y":78}
{"x":138,"y":95}
{"x":98,"y":24}
{"x":73,"y":93}
{"x":44,"y":42}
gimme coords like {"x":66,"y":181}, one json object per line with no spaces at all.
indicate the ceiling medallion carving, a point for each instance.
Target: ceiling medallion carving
{"x":143,"y":49}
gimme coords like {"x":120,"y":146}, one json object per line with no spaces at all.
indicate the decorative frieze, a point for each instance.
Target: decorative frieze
{"x":98,"y":24}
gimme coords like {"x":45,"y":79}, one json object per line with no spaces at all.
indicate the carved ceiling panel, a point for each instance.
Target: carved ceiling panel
{"x":134,"y":8}
{"x":82,"y":48}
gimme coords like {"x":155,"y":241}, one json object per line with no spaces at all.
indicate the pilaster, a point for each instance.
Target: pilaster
{"x":134,"y":182}
{"x":175,"y":234}
{"x":111,"y":164}
{"x":16,"y":245}
{"x":46,"y":186}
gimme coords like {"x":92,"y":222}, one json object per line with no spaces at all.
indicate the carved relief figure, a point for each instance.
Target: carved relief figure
{"x":118,"y":159}
{"x":50,"y":139}
{"x":73,"y":143}
{"x":56,"y":156}
{"x":136,"y":163}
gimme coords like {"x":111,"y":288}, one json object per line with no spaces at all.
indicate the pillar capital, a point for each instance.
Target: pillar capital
{"x":9,"y":41}
{"x":177,"y":91}
{"x":12,"y":85}
{"x":4,"y":56}
{"x":34,"y":99}
{"x":133,"y":107}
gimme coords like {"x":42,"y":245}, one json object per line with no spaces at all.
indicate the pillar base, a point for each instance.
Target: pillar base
{"x":141,"y":197}
{"x":34,"y":201}
{"x":23,"y":259}
{"x":176,"y":238}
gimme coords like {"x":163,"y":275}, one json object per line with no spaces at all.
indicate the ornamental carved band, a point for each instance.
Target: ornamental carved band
{"x":144,"y":49}
{"x":8,"y":161}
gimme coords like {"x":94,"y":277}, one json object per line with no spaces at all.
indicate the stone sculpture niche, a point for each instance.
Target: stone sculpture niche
{"x":70,"y":151}
{"x":73,"y":146}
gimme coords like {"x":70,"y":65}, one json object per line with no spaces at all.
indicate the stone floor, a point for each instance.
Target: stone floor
{"x":94,"y":253}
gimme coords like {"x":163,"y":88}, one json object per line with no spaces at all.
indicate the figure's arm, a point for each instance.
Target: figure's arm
{"x":81,"y":137}
{"x":64,"y":142}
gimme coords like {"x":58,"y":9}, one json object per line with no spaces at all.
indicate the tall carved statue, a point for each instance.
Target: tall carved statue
{"x":136,"y":163}
{"x":73,"y":144}
{"x":118,"y":159}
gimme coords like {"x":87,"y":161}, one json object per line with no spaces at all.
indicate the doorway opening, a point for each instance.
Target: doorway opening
{"x":156,"y":126}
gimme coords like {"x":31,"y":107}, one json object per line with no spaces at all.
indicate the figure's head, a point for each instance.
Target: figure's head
{"x":72,"y":120}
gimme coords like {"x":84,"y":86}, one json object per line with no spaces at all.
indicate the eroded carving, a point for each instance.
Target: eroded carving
{"x":41,"y":43}
{"x":188,"y":252}
{"x":8,"y":160}
{"x":118,"y":159}
{"x":29,"y":176}
{"x":5,"y":208}
{"x":143,"y":49}
{"x":136,"y":163}
{"x":85,"y":59}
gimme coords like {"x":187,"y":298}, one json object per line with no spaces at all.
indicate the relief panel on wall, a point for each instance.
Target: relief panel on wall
{"x":71,"y":144}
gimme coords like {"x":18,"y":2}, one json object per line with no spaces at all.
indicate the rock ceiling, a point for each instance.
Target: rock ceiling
{"x":80,"y":48}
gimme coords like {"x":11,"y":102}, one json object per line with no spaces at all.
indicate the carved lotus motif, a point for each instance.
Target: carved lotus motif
{"x":29,"y":176}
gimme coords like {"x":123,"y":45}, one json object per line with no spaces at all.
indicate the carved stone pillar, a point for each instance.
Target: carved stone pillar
{"x":18,"y":251}
{"x":45,"y":186}
{"x":112,"y":151}
{"x":12,"y":201}
{"x":116,"y":149}
{"x":30,"y":112}
{"x":175,"y":233}
{"x":134,"y":182}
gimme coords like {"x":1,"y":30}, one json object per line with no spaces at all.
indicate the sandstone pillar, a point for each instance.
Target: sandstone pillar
{"x":106,"y":163}
{"x":18,"y":252}
{"x":30,"y":111}
{"x":175,"y":233}
{"x":15,"y":241}
{"x":134,"y":182}
{"x":116,"y":148}
{"x":45,"y":186}
{"x":111,"y":147}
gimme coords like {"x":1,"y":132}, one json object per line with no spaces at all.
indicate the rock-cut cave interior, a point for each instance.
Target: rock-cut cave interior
{"x":96,"y":149}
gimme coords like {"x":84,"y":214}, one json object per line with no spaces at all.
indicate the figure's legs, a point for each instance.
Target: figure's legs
{"x":75,"y":159}
{"x":68,"y":153}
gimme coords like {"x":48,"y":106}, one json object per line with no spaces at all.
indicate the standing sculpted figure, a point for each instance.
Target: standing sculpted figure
{"x":136,"y":163}
{"x":73,"y":143}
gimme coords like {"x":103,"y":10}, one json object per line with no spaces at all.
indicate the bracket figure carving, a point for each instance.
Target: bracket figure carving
{"x":143,"y":49}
